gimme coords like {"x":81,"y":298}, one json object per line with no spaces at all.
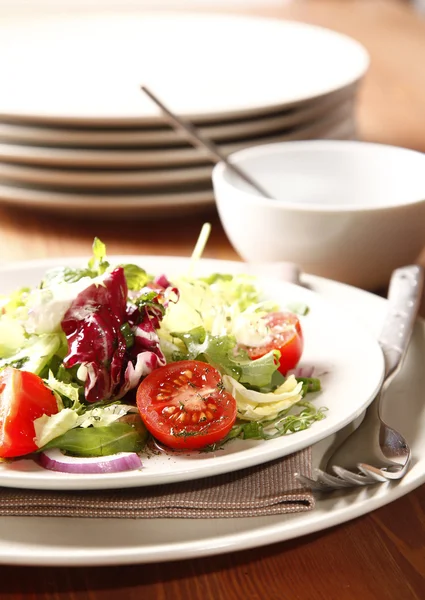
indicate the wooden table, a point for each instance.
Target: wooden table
{"x":378,"y":556}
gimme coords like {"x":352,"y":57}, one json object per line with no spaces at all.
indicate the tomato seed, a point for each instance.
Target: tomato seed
{"x":188,"y":374}
{"x":212,"y":406}
{"x":167,"y":388}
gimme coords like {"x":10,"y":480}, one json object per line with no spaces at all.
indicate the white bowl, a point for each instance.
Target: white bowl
{"x":346,"y":210}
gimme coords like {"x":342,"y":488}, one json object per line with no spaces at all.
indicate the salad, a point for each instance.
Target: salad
{"x":99,"y":363}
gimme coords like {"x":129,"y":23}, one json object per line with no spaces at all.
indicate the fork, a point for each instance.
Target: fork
{"x":375,"y":452}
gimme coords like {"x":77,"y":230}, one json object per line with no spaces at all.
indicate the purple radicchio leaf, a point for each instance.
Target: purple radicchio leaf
{"x":162,"y":281}
{"x":93,"y":325}
{"x":145,"y":353}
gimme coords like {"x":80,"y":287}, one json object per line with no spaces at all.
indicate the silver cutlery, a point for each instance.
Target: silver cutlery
{"x":197,"y":139}
{"x":375,"y":452}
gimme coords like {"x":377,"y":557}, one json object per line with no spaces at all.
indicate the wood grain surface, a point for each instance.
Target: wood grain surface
{"x":380,"y":556}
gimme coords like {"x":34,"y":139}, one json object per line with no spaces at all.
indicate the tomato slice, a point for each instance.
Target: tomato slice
{"x":285,"y":335}
{"x":23,"y":398}
{"x":185,"y":406}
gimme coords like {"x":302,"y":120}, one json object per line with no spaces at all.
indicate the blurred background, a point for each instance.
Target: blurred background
{"x":78,"y":138}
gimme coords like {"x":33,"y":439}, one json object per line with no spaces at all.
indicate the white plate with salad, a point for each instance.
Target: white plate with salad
{"x":60,"y":541}
{"x":151,"y":370}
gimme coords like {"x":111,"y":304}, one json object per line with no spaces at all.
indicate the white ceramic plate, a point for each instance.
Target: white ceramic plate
{"x":117,"y":206}
{"x":62,"y":178}
{"x":263,"y":125}
{"x":326,"y":331}
{"x":64,"y":68}
{"x":161,"y":157}
{"x":17,"y":192}
{"x":58,"y":541}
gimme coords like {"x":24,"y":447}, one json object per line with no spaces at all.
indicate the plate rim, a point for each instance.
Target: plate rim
{"x":98,"y":158}
{"x":26,"y":133}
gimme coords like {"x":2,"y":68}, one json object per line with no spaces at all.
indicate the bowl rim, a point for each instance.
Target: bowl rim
{"x":220,"y":170}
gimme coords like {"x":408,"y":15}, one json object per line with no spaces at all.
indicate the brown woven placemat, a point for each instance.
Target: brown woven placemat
{"x":267,"y":489}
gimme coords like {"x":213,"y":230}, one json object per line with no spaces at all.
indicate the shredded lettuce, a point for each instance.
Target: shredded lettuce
{"x":12,"y":336}
{"x":101,"y":416}
{"x":48,"y":428}
{"x":70,"y":392}
{"x":258,"y":406}
{"x":209,"y":305}
{"x":35,"y":354}
{"x":298,"y":417}
{"x":9,"y":305}
{"x":239,"y":290}
{"x":223,"y":353}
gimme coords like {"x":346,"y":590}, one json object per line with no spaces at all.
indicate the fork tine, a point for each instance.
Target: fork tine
{"x":373,"y":472}
{"x":314,"y":484}
{"x":331,"y":480}
{"x":353,"y":478}
{"x":325,"y":482}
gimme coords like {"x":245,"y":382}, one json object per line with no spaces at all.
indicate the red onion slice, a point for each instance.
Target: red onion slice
{"x":55,"y":460}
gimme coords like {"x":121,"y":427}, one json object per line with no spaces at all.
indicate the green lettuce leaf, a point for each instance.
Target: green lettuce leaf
{"x":222,"y":353}
{"x":211,"y":303}
{"x":136,"y":277}
{"x":70,"y":392}
{"x":65,"y":275}
{"x":36,"y":354}
{"x":101,"y":441}
{"x":12,"y":336}
{"x":239,"y":289}
{"x":97,"y":266}
{"x":10,"y":304}
{"x":51,"y":427}
{"x":98,"y":262}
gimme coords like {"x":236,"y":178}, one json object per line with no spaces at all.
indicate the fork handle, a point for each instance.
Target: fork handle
{"x":404,"y":296}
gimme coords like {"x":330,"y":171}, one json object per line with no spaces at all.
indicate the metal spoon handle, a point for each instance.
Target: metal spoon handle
{"x":199,"y":140}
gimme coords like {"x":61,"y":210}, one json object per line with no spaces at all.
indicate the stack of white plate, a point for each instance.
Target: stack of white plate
{"x":78,"y":136}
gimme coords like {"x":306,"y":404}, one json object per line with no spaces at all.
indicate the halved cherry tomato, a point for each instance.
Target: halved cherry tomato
{"x":23,"y":398}
{"x":286,"y":336}
{"x":184,"y":405}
